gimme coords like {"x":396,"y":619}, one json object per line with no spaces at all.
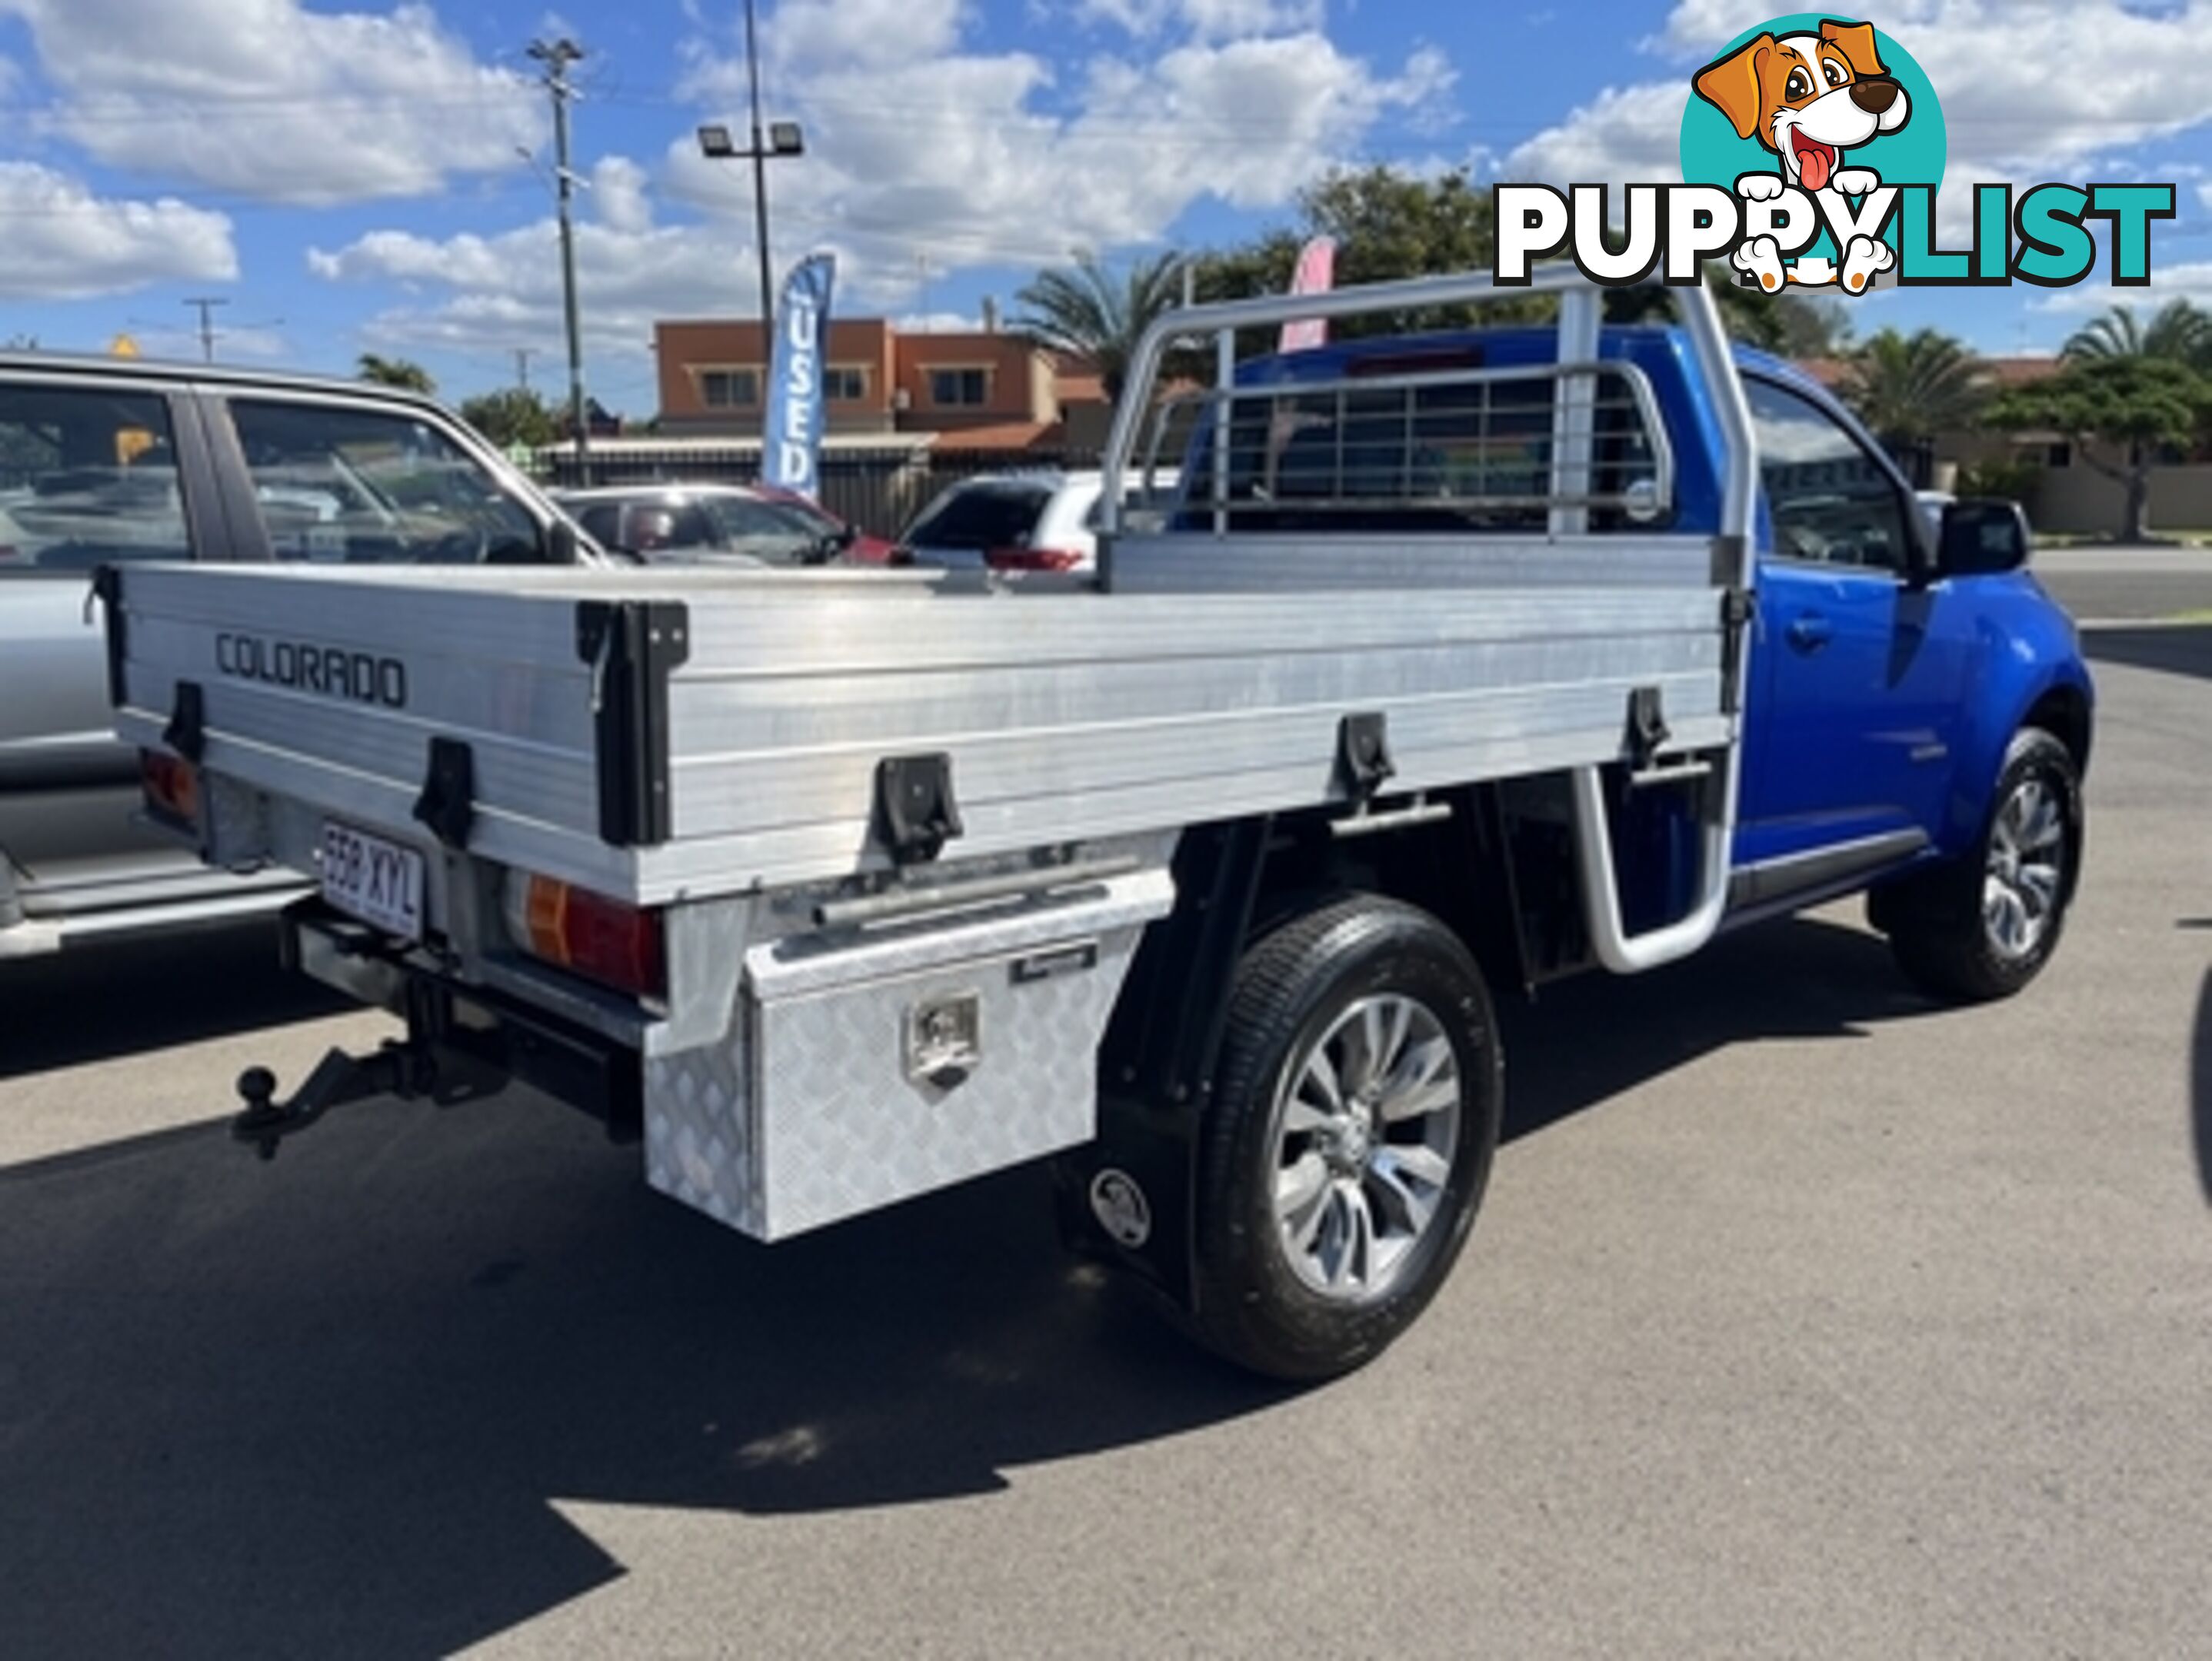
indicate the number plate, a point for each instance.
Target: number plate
{"x":376,"y":881}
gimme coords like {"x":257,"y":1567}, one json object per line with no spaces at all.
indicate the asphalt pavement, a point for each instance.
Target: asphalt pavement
{"x":1804,"y":1317}
{"x":2127,"y":584}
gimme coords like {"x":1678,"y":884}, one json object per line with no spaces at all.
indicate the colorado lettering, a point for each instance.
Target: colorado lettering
{"x":357,"y":677}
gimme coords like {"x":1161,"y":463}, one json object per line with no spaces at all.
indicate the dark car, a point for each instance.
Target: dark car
{"x":722,"y":523}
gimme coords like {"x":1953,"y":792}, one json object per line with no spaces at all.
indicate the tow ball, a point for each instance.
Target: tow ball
{"x":402,"y":1068}
{"x":339,"y":1079}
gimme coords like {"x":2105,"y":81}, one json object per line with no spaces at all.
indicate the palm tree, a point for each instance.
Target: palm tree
{"x":1089,"y":312}
{"x":1908,"y":388}
{"x":2178,"y":331}
{"x":396,"y":371}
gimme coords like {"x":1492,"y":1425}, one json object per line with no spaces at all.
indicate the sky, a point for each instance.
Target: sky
{"x":348,"y":176}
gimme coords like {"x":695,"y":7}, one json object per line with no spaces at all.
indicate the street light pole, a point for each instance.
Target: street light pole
{"x":557,"y":58}
{"x":772,"y":138}
{"x":760,"y":190}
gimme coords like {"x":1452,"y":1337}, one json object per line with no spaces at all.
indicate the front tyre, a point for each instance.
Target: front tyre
{"x":1349,"y":1140}
{"x":1983,"y":926}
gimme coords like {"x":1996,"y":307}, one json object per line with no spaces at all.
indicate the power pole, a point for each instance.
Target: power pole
{"x":207,"y":303}
{"x":522,"y":356}
{"x":557,"y":56}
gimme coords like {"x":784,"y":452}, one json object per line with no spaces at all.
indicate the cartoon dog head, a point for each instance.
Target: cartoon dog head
{"x":1806,"y":97}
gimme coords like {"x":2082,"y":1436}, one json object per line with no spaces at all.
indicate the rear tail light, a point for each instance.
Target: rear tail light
{"x":616,"y":944}
{"x":171,"y":787}
{"x":1032,"y":559}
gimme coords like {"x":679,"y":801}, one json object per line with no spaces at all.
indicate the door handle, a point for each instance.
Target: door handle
{"x":1809,"y":631}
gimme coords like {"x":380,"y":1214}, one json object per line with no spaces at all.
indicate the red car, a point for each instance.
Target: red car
{"x":722,"y":523}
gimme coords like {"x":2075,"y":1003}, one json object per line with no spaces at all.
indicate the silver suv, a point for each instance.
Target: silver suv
{"x":109,"y":460}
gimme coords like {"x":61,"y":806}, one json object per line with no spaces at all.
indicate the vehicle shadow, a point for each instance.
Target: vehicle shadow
{"x":1797,"y":978}
{"x":2172,"y":649}
{"x":101,"y":1002}
{"x":329,"y":1406}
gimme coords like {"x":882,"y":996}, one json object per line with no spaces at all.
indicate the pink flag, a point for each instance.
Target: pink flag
{"x":1315,"y":273}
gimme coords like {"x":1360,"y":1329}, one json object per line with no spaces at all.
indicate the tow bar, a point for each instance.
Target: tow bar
{"x":418,"y":1065}
{"x":462,"y":1044}
{"x":404,"y":1070}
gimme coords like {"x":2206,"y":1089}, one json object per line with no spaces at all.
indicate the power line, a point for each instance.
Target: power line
{"x":207,"y":303}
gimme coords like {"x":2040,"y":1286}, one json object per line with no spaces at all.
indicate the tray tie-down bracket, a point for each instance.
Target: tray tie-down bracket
{"x":1648,"y":731}
{"x":1364,"y":764}
{"x":915,"y":811}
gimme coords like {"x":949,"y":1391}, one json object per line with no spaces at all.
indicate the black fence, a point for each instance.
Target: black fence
{"x":880,"y":490}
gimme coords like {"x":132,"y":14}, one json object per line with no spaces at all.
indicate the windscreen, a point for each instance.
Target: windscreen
{"x":997,"y":514}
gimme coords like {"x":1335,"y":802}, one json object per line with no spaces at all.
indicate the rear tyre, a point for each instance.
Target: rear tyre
{"x":1349,"y":1140}
{"x":1983,"y":927}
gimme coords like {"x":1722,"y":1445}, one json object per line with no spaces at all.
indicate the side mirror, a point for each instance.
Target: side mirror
{"x":1981,"y":537}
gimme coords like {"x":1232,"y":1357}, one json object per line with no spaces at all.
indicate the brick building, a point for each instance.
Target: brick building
{"x":980,"y":389}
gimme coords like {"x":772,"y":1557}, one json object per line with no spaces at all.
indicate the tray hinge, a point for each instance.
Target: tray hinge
{"x":449,"y":801}
{"x":915,"y":811}
{"x":1735,"y":618}
{"x":186,"y":733}
{"x":632,"y":646}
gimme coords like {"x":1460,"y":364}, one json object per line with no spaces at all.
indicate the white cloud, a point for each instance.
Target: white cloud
{"x":2192,"y":281}
{"x":249,"y":344}
{"x":65,"y":243}
{"x":862,"y":33}
{"x":494,"y":292}
{"x":2031,"y":89}
{"x":269,"y":100}
{"x":1624,"y":134}
{"x":922,"y":158}
{"x":974,"y":158}
{"x":1208,"y":20}
{"x":618,"y":195}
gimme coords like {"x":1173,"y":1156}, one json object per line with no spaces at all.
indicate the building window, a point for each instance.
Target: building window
{"x":729,"y":388}
{"x":844,"y":383}
{"x":959,"y":388}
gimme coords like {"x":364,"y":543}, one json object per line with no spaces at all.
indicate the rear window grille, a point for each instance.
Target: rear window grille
{"x":1483,"y":450}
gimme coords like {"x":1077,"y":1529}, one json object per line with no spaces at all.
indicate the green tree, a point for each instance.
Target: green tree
{"x":1087,"y":311}
{"x":2129,"y":405}
{"x":1788,"y":325}
{"x":2177,"y":332}
{"x":396,"y":371}
{"x":1391,"y":225}
{"x":1908,"y":388}
{"x":514,"y":415}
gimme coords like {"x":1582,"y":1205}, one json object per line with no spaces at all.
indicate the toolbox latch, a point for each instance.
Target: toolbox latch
{"x":915,"y":811}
